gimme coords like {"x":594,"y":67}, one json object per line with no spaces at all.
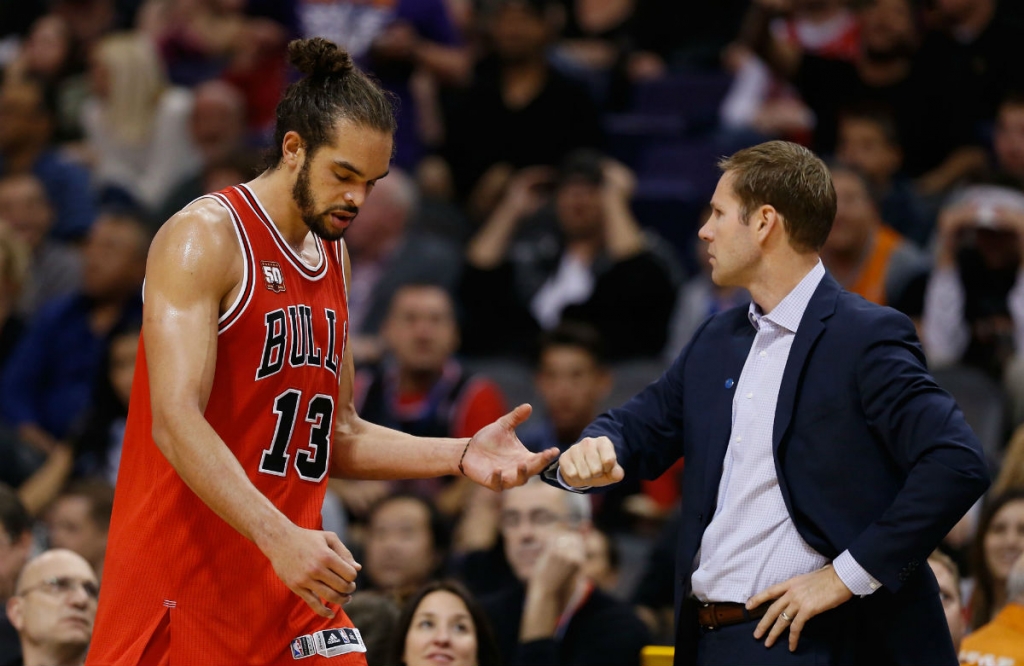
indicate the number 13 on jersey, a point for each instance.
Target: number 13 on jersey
{"x":311,"y":462}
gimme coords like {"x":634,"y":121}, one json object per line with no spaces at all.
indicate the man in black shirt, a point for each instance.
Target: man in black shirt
{"x":593,"y":263}
{"x":519,"y":111}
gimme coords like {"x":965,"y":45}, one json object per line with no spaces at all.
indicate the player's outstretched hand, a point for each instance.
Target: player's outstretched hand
{"x":497,"y":459}
{"x":591,"y":462}
{"x":316,"y":566}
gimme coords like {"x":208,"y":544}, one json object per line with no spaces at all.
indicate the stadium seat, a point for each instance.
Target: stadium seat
{"x":694,"y":96}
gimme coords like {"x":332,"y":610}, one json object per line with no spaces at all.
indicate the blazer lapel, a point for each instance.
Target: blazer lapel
{"x":733,"y":357}
{"x":812,"y":325}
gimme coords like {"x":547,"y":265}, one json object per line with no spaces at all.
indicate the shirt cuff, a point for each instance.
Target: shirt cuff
{"x":554,"y":473}
{"x":853,"y":575}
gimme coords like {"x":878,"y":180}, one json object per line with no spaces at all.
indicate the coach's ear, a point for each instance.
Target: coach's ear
{"x":765,"y":221}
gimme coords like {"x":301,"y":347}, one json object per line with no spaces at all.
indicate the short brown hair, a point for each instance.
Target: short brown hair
{"x":100,"y":496}
{"x":878,"y":115}
{"x":794,"y":181}
{"x":1012,"y":99}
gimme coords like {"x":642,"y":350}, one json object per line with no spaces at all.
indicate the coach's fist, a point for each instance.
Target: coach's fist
{"x":590,"y":462}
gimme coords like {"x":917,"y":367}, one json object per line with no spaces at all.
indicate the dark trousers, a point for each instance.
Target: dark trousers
{"x":825,"y":640}
{"x":736,"y":644}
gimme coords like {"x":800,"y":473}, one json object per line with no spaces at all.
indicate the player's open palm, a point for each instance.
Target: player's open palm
{"x":497,"y":459}
{"x":591,"y":462}
{"x":316,"y":566}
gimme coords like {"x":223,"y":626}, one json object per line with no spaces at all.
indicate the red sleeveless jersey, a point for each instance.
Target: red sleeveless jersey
{"x":171,"y":562}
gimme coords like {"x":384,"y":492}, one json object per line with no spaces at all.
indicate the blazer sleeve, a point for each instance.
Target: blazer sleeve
{"x":925,"y":434}
{"x":647,"y":431}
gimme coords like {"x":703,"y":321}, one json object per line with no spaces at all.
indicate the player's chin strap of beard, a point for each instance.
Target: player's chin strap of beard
{"x":461,"y":468}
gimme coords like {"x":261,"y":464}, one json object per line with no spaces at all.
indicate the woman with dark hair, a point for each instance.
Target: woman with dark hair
{"x":443,"y":620}
{"x":997,"y":545}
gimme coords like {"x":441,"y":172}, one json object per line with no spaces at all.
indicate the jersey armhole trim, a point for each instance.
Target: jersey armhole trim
{"x":245,"y":292}
{"x":340,"y":247}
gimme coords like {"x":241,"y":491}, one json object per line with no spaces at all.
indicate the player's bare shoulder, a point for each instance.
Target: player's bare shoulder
{"x":197,"y":246}
{"x":204,"y":219}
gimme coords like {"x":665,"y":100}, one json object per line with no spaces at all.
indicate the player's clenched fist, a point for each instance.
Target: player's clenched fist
{"x":590,"y":462}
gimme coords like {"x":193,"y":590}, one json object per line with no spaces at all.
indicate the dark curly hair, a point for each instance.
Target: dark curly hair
{"x":332,"y":88}
{"x":486,"y":646}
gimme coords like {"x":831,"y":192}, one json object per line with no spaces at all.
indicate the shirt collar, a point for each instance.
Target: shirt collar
{"x":790,"y":311}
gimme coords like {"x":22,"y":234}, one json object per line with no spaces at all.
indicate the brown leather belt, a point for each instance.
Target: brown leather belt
{"x":713,"y":616}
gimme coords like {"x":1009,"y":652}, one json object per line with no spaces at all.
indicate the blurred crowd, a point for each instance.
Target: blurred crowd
{"x":535,"y":242}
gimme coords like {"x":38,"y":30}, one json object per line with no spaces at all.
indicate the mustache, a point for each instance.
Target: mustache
{"x":352,"y":210}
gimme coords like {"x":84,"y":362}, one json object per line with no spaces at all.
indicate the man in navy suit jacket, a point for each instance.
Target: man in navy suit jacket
{"x":823,"y":463}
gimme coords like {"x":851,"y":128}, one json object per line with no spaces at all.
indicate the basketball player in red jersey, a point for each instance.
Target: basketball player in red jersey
{"x":242,"y":404}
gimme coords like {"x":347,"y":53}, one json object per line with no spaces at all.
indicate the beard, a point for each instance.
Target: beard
{"x":318,"y":223}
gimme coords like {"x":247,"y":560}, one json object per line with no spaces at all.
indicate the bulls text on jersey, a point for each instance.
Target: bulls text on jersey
{"x":290,"y":334}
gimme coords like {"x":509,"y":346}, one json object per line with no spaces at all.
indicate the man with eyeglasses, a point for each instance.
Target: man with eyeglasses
{"x":556,"y":614}
{"x":53,"y":609}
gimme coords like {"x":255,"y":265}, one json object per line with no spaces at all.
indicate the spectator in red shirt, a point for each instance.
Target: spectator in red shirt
{"x":420,"y":388}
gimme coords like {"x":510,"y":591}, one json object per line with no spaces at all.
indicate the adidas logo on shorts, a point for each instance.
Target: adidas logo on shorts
{"x":328,"y":643}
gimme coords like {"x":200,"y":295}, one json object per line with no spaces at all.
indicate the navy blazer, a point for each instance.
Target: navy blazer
{"x":871,"y":455}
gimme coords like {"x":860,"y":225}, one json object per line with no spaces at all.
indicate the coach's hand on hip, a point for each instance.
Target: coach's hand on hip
{"x":315,"y":565}
{"x":590,"y":462}
{"x":797,"y":600}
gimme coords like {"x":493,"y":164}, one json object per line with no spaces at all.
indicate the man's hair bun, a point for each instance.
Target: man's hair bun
{"x":332,"y":87}
{"x":318,"y":57}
